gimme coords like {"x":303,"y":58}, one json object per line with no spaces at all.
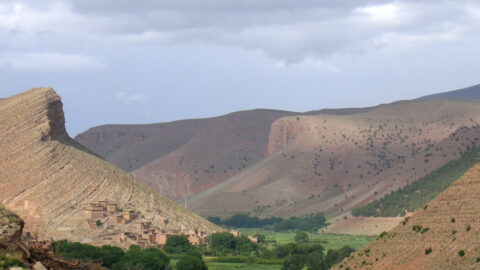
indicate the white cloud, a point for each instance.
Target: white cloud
{"x":47,"y":61}
{"x":381,"y":13}
{"x":131,"y":97}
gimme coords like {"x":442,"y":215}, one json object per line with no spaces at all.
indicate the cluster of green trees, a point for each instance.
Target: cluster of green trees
{"x":223,"y":243}
{"x":114,"y":257}
{"x":300,"y":254}
{"x":244,"y":221}
{"x":420,"y":192}
{"x":292,"y":256}
{"x":308,"y":223}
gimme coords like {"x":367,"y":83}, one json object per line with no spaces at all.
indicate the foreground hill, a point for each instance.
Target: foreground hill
{"x":442,"y":235}
{"x":47,"y":178}
{"x":329,"y":163}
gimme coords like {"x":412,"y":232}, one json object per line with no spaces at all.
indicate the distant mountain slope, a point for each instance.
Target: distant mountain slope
{"x":47,"y":178}
{"x":328,"y":163}
{"x":189,"y":156}
{"x":442,"y":235}
{"x":472,"y":92}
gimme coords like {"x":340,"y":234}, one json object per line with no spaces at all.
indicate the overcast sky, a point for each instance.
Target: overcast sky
{"x":148,"y":61}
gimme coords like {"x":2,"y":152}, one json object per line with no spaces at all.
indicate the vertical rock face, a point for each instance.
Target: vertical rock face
{"x":283,"y":132}
{"x":47,"y":178}
{"x":434,"y":237}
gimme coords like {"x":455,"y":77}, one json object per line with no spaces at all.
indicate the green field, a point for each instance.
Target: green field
{"x":327,"y":240}
{"x":244,"y":266}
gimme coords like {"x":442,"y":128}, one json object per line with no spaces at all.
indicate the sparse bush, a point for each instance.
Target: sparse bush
{"x":417,"y":228}
{"x":468,"y":228}
{"x":383,"y":234}
{"x":409,"y":199}
{"x":6,"y":262}
{"x":426,"y":229}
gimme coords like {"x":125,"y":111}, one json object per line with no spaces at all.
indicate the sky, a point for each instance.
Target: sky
{"x":149,"y":61}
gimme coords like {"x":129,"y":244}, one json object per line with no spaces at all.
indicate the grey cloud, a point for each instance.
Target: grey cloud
{"x":289,"y":31}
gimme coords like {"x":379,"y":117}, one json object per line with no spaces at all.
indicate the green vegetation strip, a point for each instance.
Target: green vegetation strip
{"x":310,"y":223}
{"x":420,"y":192}
{"x":329,"y":241}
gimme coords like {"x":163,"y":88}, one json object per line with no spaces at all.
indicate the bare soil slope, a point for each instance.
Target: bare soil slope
{"x":47,"y":178}
{"x":190,"y":156}
{"x":329,"y":163}
{"x":445,"y":227}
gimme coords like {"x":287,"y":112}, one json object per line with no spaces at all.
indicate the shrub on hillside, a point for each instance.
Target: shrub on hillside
{"x":410,"y":199}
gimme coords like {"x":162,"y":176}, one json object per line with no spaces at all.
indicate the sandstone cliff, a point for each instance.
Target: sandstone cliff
{"x":47,"y":178}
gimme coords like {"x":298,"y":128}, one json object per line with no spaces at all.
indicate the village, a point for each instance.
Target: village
{"x":143,"y":233}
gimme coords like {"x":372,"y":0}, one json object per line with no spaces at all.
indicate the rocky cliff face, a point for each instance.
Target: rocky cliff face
{"x":442,"y":235}
{"x":283,"y":132}
{"x":47,"y":178}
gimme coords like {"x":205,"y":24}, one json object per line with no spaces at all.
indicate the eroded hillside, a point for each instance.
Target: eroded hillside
{"x":185,"y":157}
{"x":329,"y":163}
{"x":444,"y":234}
{"x":48,"y":179}
{"x":190,"y":156}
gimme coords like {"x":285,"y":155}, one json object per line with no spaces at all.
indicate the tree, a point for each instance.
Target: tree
{"x":301,"y":237}
{"x":335,"y":256}
{"x":260,"y":237}
{"x":178,"y":244}
{"x":215,"y":220}
{"x":294,"y":262}
{"x":189,"y":262}
{"x":146,"y":259}
{"x":221,"y":242}
{"x":316,"y":261}
{"x":244,"y":245}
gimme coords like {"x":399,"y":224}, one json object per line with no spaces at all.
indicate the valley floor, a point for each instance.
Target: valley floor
{"x":328,"y":240}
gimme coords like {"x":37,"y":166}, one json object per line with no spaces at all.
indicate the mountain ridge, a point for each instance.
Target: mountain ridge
{"x":47,"y":178}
